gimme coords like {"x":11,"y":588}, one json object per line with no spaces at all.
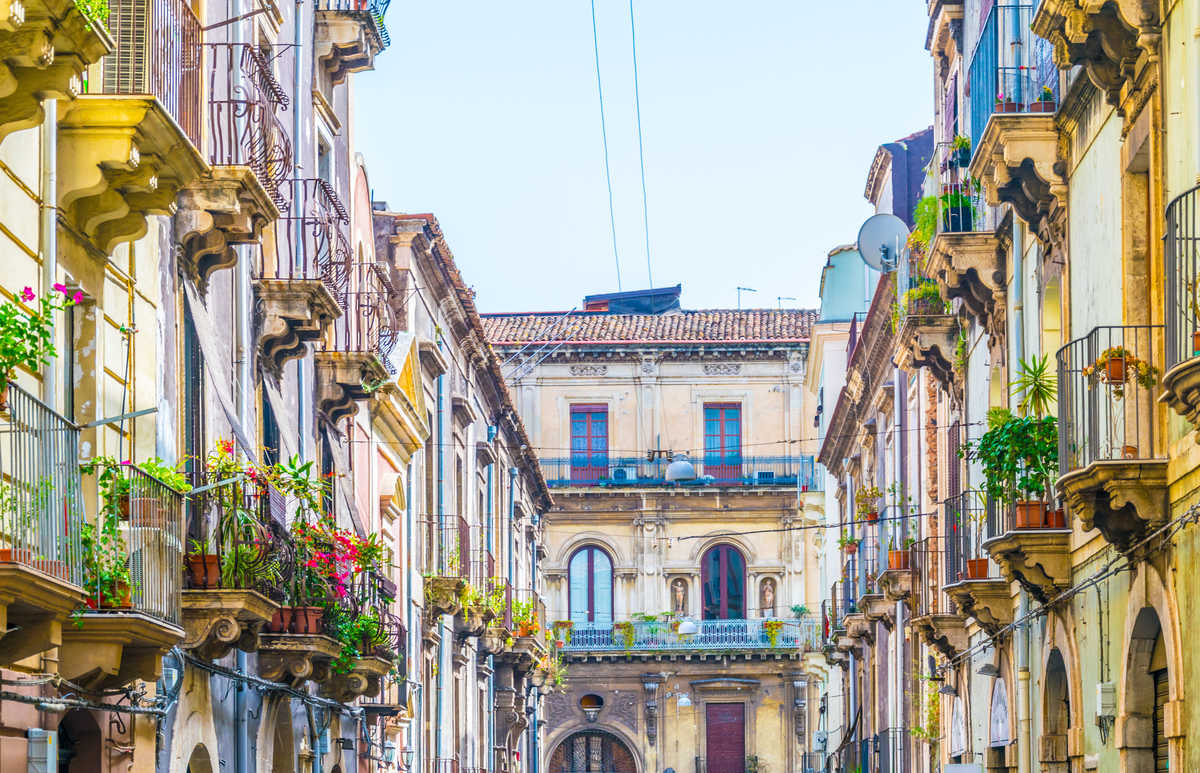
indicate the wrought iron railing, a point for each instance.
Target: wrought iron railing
{"x":601,"y":470}
{"x":846,"y":594}
{"x":367,"y":323}
{"x":651,"y":636}
{"x":244,"y":101}
{"x":812,"y":762}
{"x":137,"y":562}
{"x":528,"y":612}
{"x":1108,"y":382}
{"x":483,"y":563}
{"x":233,"y":540}
{"x":927,"y":565}
{"x":374,"y":10}
{"x":447,"y":546}
{"x":965,"y":523}
{"x":41,"y":512}
{"x":1183,"y":278}
{"x":893,"y":750}
{"x":1011,"y":68}
{"x":371,"y":593}
{"x":158,"y":46}
{"x":863,"y":566}
{"x":958,"y":198}
{"x":445,"y":765}
{"x":310,"y":237}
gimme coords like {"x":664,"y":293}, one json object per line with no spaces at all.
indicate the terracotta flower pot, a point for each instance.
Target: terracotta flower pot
{"x":1196,"y":343}
{"x":1043,"y":106}
{"x":306,"y":620}
{"x":16,"y":555}
{"x":1129,"y":452}
{"x":4,"y":397}
{"x":850,"y":548}
{"x":1031,"y":514}
{"x":898,"y":559}
{"x":1056,"y":519}
{"x":51,"y":567}
{"x":204,"y":570}
{"x":143,"y":511}
{"x":977,"y":568}
{"x":120,"y":598}
{"x":1114,"y":370}
{"x":873,"y":516}
{"x":281,"y":621}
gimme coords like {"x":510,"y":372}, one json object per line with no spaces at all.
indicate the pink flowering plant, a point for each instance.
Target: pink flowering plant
{"x":27,"y":336}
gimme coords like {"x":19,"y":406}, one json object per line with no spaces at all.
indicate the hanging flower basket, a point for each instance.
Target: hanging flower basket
{"x":1116,"y":366}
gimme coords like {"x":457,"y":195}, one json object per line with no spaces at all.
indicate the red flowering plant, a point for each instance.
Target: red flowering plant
{"x":27,"y":336}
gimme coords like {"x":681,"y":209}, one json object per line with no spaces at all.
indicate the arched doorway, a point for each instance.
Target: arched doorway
{"x":1147,"y":691}
{"x":199,"y":762}
{"x":592,"y":751}
{"x":723,"y":577}
{"x":283,"y":755}
{"x":79,"y":743}
{"x":590,"y":586}
{"x":1056,"y":713}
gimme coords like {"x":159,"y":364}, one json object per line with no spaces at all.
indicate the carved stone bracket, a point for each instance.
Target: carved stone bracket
{"x":878,"y":609}
{"x":296,"y":657}
{"x":971,"y":267}
{"x":1122,"y":498}
{"x":989,"y":602}
{"x":346,"y":41}
{"x":1017,"y":163}
{"x":471,"y":621}
{"x":943,"y":36}
{"x":46,"y":45}
{"x":228,"y":206}
{"x":365,"y":679}
{"x":120,"y":159}
{"x":1181,"y":390}
{"x":1113,"y":41}
{"x":342,"y":379}
{"x":945,"y":633}
{"x":443,"y":596}
{"x":111,"y":650}
{"x":928,"y":341}
{"x":1039,"y":559}
{"x":292,"y":314}
{"x":895,"y":583}
{"x":216,"y":621}
{"x":33,"y":607}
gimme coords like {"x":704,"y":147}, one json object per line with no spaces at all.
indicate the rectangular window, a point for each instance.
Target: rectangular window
{"x":723,"y":442}
{"x":589,"y":444}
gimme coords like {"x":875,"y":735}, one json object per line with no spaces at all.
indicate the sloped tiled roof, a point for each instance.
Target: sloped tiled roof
{"x":700,"y":326}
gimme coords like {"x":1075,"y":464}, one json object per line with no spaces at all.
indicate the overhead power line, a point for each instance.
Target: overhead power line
{"x":637,"y":102}
{"x":612,"y":217}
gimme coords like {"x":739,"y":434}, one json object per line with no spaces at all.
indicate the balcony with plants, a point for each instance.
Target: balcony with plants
{"x":48,"y":44}
{"x":352,"y":361}
{"x":249,"y":157}
{"x":132,"y":569}
{"x":972,"y":580}
{"x":1014,"y":91}
{"x":864,"y":567}
{"x":529,"y":628}
{"x":447,"y":556}
{"x":1018,"y":455}
{"x":935,"y":616}
{"x":601,"y":470}
{"x":1181,"y":372}
{"x":348,"y":36}
{"x":1113,"y":473}
{"x":41,"y":507}
{"x":129,"y":144}
{"x":927,"y":331}
{"x":300,"y":282}
{"x":667,"y":634}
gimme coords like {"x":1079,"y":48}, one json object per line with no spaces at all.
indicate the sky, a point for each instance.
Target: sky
{"x":759,"y":121}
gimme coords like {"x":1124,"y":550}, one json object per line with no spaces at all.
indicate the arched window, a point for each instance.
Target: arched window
{"x":723,"y":575}
{"x":590,"y":586}
{"x":592,"y":750}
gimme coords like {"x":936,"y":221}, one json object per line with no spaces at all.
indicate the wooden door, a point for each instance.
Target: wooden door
{"x":725,"y":737}
{"x":589,"y":444}
{"x":723,"y":442}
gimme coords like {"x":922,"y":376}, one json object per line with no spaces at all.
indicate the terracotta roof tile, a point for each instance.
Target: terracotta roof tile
{"x":699,"y":326}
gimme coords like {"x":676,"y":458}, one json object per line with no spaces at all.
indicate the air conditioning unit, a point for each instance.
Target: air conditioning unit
{"x":42,"y":751}
{"x":623,"y":474}
{"x":764,"y":476}
{"x":820,"y":738}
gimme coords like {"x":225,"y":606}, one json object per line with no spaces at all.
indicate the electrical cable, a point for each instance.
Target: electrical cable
{"x":637,"y":102}
{"x":612,"y":217}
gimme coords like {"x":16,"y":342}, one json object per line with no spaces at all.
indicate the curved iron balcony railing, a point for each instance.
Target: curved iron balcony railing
{"x":713,"y":635}
{"x":1183,"y":279}
{"x":718,"y":470}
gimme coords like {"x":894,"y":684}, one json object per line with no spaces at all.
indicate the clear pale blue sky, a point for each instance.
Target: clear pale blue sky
{"x":760,"y":120}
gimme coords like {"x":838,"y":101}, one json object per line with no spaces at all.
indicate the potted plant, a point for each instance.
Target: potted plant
{"x":1005,"y":104}
{"x":898,"y":560}
{"x":958,"y":211}
{"x":1045,"y":101}
{"x":848,"y":544}
{"x":799,"y":611}
{"x":1116,"y":366}
{"x":866,"y":502}
{"x":625,"y":632}
{"x":924,"y":299}
{"x":203,"y":565}
{"x":960,"y":151}
{"x":107,"y":577}
{"x":977,"y":569}
{"x":27,"y":337}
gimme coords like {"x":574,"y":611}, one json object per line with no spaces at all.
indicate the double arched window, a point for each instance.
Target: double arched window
{"x":723,"y":578}
{"x":590,"y":586}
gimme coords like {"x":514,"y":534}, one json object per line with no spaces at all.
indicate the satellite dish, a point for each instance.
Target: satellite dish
{"x":882,"y":240}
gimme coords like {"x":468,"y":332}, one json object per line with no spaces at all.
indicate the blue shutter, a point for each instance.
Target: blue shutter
{"x":602,"y":587}
{"x":577,"y":601}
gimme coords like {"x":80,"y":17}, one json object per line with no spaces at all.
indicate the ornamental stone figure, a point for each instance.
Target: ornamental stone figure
{"x":679,"y":597}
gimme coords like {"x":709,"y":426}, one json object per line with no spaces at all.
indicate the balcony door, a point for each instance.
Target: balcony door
{"x":723,"y":577}
{"x":723,"y":442}
{"x":590,"y":586}
{"x":725,"y":737}
{"x":589,"y":444}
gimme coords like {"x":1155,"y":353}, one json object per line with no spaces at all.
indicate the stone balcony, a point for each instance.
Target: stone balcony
{"x":928,"y":341}
{"x":217,"y":620}
{"x":1035,"y":553}
{"x":988,"y":601}
{"x":947,"y":633}
{"x":296,"y":657}
{"x":47,"y":46}
{"x":226,"y":207}
{"x":120,"y":159}
{"x":349,"y":34}
{"x":970,"y":266}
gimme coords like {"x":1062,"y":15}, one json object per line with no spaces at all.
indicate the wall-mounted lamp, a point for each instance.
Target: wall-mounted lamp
{"x":408,"y":758}
{"x":389,"y":752}
{"x":988,"y":669}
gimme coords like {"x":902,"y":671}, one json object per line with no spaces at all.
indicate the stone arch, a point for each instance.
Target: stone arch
{"x":1151,"y":640}
{"x":199,"y":761}
{"x":80,"y":742}
{"x":557,"y":743}
{"x":1060,"y":658}
{"x":589,"y":538}
{"x":193,"y":725}
{"x":704,"y":544}
{"x":277,"y":741}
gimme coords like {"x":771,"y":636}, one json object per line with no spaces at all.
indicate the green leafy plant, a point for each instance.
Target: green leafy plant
{"x":626,"y":632}
{"x":925,"y":293}
{"x":1131,"y":367}
{"x":27,"y":337}
{"x":799,"y":611}
{"x":1019,"y":456}
{"x":1047,"y":94}
{"x":169,"y":474}
{"x":846,"y":540}
{"x":94,"y":11}
{"x":107,"y":577}
{"x":925,"y":221}
{"x":1035,"y":387}
{"x":866,"y":500}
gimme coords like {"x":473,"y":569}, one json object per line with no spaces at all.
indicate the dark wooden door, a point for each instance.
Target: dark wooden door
{"x":725,"y":737}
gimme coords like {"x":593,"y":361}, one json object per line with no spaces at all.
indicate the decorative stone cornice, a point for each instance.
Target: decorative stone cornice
{"x":216,"y":621}
{"x":120,"y":159}
{"x":346,"y":41}
{"x":292,"y":313}
{"x":291,"y":657}
{"x":1181,"y":390}
{"x":895,"y":583}
{"x":443,"y":596}
{"x":1114,"y":41}
{"x":227,"y":206}
{"x":877,"y":608}
{"x":35,"y":624}
{"x":1039,"y":559}
{"x":945,"y":633}
{"x":943,"y":36}
{"x":989,"y":602}
{"x":45,"y":46}
{"x":343,"y":379}
{"x":928,"y":341}
{"x":1017,"y":162}
{"x":365,"y":679}
{"x":1122,"y":498}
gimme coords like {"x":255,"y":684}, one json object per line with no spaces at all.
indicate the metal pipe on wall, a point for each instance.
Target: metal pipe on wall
{"x":49,"y":229}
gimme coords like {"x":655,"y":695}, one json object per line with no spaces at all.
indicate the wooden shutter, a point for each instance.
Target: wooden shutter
{"x":1161,"y":696}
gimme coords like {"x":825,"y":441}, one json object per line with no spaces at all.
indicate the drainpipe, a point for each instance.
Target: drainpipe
{"x":1022,"y":641}
{"x":512,"y":513}
{"x":50,"y":229}
{"x":441,"y":514}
